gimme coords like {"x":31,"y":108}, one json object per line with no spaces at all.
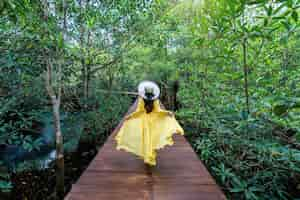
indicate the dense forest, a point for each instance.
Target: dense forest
{"x":229,"y":69}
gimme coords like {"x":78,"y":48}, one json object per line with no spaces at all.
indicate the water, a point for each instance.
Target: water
{"x":16,"y":158}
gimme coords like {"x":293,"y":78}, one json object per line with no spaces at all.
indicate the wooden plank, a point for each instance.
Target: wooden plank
{"x":118,"y":175}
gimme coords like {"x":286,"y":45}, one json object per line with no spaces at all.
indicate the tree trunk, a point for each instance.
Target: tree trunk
{"x":85,"y":85}
{"x":84,"y":73}
{"x":87,"y":70}
{"x":284,"y":68}
{"x":55,"y":101}
{"x":175,"y":91}
{"x":246,"y":70}
{"x":59,"y":151}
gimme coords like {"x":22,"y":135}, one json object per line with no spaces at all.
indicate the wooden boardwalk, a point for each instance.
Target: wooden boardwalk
{"x":118,"y":175}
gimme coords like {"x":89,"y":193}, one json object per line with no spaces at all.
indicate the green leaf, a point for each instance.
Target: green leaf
{"x":286,"y":24}
{"x":5,"y":186}
{"x":236,"y":190}
{"x":60,"y":40}
{"x":1,"y":6}
{"x":270,"y":11}
{"x":298,"y":136}
{"x":295,"y":16}
{"x":279,"y":9}
{"x":281,"y":108}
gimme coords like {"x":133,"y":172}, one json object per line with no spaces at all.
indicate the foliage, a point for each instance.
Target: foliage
{"x":5,"y":184}
{"x":236,"y":61}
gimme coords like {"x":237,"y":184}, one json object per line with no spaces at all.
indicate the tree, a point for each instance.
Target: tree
{"x":55,"y":96}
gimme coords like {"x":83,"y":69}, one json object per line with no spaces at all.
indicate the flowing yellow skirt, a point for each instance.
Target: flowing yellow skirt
{"x":143,"y":133}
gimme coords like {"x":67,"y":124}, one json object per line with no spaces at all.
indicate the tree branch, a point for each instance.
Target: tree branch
{"x":48,"y":79}
{"x":105,"y":65}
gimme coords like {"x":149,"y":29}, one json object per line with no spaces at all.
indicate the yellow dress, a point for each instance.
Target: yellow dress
{"x":143,"y":133}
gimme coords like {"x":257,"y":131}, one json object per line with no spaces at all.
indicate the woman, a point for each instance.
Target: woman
{"x":149,"y":127}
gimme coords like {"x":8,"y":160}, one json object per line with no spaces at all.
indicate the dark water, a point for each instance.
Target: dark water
{"x":13,"y":156}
